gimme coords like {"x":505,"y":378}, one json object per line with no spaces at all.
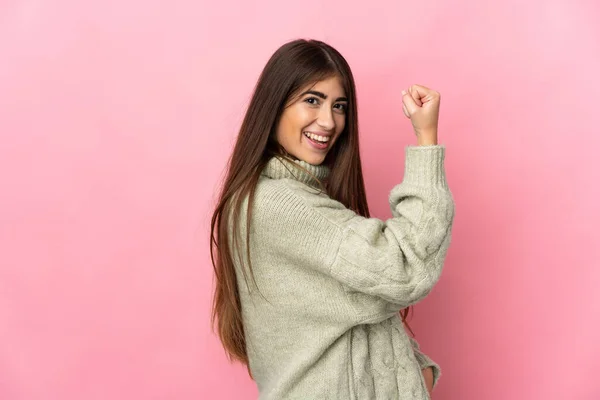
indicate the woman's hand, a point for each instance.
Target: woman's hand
{"x":422,"y":106}
{"x":428,"y":375}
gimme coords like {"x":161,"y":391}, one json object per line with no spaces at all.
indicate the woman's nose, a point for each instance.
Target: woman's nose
{"x":325,"y":119}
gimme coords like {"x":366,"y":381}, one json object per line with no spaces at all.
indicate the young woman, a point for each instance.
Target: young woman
{"x":320,"y":318}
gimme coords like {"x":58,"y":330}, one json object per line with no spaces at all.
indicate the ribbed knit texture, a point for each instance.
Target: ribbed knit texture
{"x":324,"y":323}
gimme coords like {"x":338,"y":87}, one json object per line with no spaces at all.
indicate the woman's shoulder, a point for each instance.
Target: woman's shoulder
{"x":293,"y":191}
{"x":293,"y":201}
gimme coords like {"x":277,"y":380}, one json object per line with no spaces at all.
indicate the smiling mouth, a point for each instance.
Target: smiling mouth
{"x":316,"y":138}
{"x":315,"y":143}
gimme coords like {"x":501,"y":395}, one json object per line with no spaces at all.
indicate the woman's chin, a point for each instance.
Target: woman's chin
{"x":309,"y":155}
{"x":314,"y":159}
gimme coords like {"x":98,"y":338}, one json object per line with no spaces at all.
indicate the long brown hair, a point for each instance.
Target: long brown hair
{"x":293,"y":66}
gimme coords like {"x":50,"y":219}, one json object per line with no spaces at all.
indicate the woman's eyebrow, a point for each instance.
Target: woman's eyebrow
{"x":323,"y":95}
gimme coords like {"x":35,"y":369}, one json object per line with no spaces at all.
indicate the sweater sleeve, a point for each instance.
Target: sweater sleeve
{"x":384,"y":265}
{"x":425,"y":361}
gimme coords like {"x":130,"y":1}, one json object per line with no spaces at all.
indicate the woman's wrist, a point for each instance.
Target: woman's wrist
{"x":427,"y":138}
{"x":428,"y":376}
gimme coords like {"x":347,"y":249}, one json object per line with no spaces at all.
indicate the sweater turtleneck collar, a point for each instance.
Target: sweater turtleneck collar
{"x":279,"y":167}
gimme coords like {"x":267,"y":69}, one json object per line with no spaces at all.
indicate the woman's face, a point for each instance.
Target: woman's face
{"x":311,"y":124}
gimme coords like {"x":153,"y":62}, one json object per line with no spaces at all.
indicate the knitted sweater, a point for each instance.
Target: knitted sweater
{"x":324,"y":323}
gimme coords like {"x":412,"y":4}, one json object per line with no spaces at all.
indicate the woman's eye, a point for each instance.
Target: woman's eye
{"x":314,"y":101}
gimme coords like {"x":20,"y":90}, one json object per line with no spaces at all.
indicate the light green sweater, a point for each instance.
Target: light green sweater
{"x":334,"y":283}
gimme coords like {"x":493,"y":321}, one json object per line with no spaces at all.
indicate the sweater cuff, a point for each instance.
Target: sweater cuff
{"x":424,"y":166}
{"x":425,"y":362}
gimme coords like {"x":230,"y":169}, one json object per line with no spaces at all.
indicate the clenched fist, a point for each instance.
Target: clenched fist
{"x":422,"y":106}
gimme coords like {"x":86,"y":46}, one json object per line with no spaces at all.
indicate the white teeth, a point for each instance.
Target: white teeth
{"x":317,"y":137}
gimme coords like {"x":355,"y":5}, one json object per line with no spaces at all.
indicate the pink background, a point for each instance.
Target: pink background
{"x":116,"y":121}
